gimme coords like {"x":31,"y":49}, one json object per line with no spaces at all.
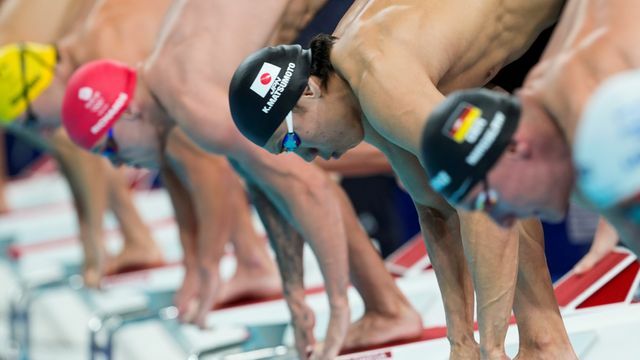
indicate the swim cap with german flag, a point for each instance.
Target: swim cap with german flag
{"x":97,"y":94}
{"x":266,"y":87}
{"x":26,"y":70}
{"x":464,"y":137}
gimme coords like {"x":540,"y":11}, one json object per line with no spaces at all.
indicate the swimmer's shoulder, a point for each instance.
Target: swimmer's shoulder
{"x":352,"y":16}
{"x":357,"y":50}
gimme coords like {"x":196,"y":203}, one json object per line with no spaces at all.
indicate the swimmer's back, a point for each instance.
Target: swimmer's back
{"x":43,"y":21}
{"x":459,"y":43}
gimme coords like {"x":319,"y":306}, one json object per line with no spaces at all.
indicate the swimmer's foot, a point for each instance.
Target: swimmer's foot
{"x":542,"y":350}
{"x":377,"y":329}
{"x":135,"y":257}
{"x":254,"y":283}
{"x":470,"y":351}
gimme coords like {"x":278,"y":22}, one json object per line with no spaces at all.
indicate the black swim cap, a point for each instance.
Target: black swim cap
{"x":464,"y":138}
{"x":266,"y":87}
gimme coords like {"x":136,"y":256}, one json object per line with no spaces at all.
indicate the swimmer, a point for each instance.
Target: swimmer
{"x":570,"y":132}
{"x":377,"y":79}
{"x":94,"y":183}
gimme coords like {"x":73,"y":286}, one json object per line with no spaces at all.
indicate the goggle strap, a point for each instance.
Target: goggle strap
{"x":31,"y":116}
{"x":289,"y":121}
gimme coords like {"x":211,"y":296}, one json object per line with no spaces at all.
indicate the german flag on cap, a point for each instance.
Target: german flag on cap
{"x":464,"y":122}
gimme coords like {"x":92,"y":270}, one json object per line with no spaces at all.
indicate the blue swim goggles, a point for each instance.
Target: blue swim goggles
{"x":110,"y":149}
{"x":291,"y":140}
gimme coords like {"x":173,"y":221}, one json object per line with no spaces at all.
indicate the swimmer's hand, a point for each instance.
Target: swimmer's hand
{"x":197,"y":295}
{"x":209,"y":287}
{"x":185,"y":297}
{"x":303,"y":321}
{"x":336,"y":333}
{"x":315,"y":353}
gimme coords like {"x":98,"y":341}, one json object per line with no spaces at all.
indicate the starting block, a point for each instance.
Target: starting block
{"x":594,"y":329}
{"x":410,"y":258}
{"x":613,"y":280}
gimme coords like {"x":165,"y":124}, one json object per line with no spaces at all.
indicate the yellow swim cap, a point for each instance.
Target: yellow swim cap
{"x":26,"y":70}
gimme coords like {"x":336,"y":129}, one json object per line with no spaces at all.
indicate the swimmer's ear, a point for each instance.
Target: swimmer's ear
{"x":313,"y":89}
{"x":519,"y":149}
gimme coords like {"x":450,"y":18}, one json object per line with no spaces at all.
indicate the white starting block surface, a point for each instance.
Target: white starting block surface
{"x":593,"y":331}
{"x":610,"y":281}
{"x":38,"y":257}
{"x":59,"y":318}
{"x":49,"y":188}
{"x":57,"y":223}
{"x":421,"y":289}
{"x":37,"y":191}
{"x":64,"y":312}
{"x":411,"y":258}
{"x":597,"y":310}
{"x":42,"y":211}
{"x":419,"y":286}
{"x":43,"y":229}
{"x":165,"y":347}
{"x":599,"y":333}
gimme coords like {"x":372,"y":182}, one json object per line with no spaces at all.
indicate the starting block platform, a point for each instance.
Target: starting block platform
{"x":132,"y":317}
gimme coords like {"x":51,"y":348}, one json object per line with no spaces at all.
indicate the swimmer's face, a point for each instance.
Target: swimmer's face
{"x":497,"y":202}
{"x":519,"y":187}
{"x":534,"y":176}
{"x":326,"y":123}
{"x":132,"y":141}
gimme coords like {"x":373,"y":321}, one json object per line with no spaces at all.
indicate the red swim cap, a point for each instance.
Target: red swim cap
{"x":97,"y":94}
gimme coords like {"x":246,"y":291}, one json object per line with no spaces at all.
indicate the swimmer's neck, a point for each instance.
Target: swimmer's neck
{"x":65,"y":66}
{"x":339,"y":91}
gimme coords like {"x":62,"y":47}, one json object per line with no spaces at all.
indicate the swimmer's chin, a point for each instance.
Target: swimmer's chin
{"x":334,"y":155}
{"x":144,"y":164}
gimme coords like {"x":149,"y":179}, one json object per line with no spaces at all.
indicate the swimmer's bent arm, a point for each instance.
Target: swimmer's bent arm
{"x":441,"y":230}
{"x":184,"y":213}
{"x":318,"y":216}
{"x":87,"y":177}
{"x":413,"y":94}
{"x":290,"y":186}
{"x":212,"y":182}
{"x":187,"y":229}
{"x":397,"y":131}
{"x":304,"y":195}
{"x":492,"y":255}
{"x":288,"y":246}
